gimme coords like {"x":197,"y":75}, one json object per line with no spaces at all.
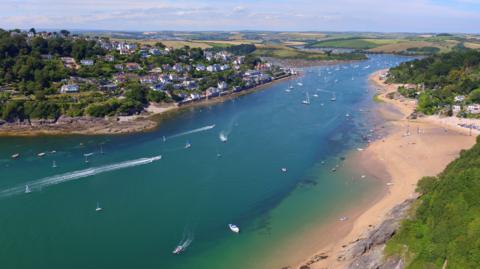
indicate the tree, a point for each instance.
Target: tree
{"x":136,"y":92}
{"x":474,"y":96}
{"x":64,"y":32}
{"x":156,"y":96}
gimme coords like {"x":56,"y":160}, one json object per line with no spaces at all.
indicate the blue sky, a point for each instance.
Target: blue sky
{"x":282,"y":15}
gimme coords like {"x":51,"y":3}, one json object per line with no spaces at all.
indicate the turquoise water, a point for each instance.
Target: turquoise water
{"x":150,"y":205}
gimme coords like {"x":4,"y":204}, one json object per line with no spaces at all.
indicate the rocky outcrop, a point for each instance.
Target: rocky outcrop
{"x":77,"y":125}
{"x":367,"y":252}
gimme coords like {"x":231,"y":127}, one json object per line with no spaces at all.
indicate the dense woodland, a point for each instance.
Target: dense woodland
{"x":440,"y":78}
{"x":446,"y":222}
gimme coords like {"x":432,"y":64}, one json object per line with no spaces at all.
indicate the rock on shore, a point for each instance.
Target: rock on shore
{"x":367,"y":252}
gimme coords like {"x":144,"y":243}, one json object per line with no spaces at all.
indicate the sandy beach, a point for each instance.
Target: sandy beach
{"x":411,"y":149}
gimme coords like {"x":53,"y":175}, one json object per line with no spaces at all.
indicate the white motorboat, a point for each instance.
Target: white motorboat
{"x":98,"y":208}
{"x":41,"y":154}
{"x":27,"y":189}
{"x":234,"y":228}
{"x":284,"y":169}
{"x":334,"y":98}
{"x":16,"y":155}
{"x":223,"y":137}
{"x":178,"y":250}
{"x":307,"y":100}
{"x":188,"y":145}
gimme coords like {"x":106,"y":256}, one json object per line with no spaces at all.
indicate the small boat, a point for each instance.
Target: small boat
{"x":86,"y":155}
{"x":284,"y":169}
{"x":287,"y":90}
{"x":16,"y":155}
{"x":178,"y":250}
{"x":343,"y":219}
{"x":53,"y":151}
{"x":347,"y":115}
{"x":307,"y":100}
{"x":359,"y":149}
{"x":41,"y":154}
{"x":188,"y":145}
{"x":164,"y":139}
{"x":223,"y":137}
{"x":54,"y":164}
{"x":27,"y":189}
{"x":98,"y":208}
{"x":234,"y":228}
{"x":300,"y":84}
{"x":291,"y":87}
{"x":315,"y":95}
{"x":334,"y":98}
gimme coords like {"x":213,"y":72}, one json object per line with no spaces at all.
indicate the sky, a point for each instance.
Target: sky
{"x":453,"y":16}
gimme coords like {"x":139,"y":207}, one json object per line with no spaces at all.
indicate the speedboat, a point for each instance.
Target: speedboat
{"x":223,"y":137}
{"x":16,"y":155}
{"x":284,"y":169}
{"x":234,"y":228}
{"x":300,"y":84}
{"x":98,"y":208}
{"x":178,"y":250}
{"x":41,"y":154}
{"x":27,"y":189}
{"x":188,"y":145}
{"x":307,"y":100}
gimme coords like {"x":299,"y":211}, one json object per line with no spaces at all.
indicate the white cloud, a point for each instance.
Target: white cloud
{"x":335,"y":15}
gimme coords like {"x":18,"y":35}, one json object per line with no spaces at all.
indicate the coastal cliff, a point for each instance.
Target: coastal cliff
{"x":367,"y":252}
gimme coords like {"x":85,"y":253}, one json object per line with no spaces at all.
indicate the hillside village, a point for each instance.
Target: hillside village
{"x":102,"y":77}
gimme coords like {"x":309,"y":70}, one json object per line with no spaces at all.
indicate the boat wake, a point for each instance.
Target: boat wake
{"x":54,"y":180}
{"x":205,"y":128}
{"x":187,"y":239}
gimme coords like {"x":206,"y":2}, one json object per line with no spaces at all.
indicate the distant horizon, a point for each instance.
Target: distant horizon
{"x":240,"y":31}
{"x":407,"y":16}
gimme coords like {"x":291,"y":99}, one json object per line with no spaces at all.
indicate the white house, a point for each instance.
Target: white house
{"x":200,"y":67}
{"x":178,"y":68}
{"x":456,"y":109}
{"x":459,"y":98}
{"x":86,"y":62}
{"x":214,"y":68}
{"x":222,"y":85}
{"x":69,"y":88}
{"x":473,"y":109}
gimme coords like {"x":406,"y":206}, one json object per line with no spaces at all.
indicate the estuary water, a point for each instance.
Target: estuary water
{"x":156,"y":194}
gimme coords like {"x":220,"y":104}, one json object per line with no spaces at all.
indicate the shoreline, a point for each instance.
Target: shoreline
{"x":410,"y":150}
{"x":120,"y":125}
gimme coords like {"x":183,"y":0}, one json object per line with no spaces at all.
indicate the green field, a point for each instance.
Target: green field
{"x":285,"y":52}
{"x":354,"y":43}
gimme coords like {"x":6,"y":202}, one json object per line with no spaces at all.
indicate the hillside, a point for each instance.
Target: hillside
{"x":439,"y":79}
{"x":445,"y":227}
